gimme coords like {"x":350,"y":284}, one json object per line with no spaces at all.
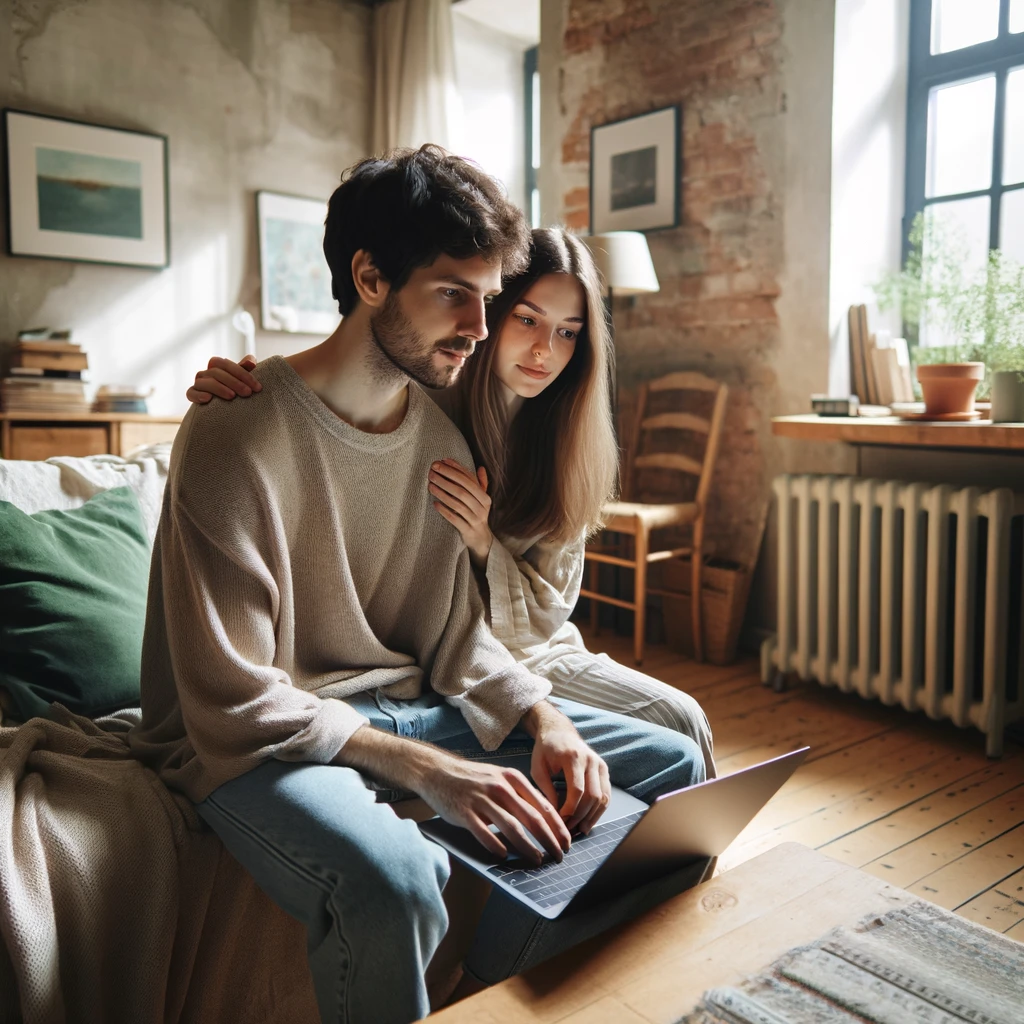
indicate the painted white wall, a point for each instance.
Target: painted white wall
{"x":869,"y":111}
{"x":489,"y":72}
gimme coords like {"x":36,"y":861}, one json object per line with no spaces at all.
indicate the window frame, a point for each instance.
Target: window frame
{"x":926,"y":70}
{"x":530,"y":177}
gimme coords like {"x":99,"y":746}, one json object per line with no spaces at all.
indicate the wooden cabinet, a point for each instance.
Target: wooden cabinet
{"x":29,"y":436}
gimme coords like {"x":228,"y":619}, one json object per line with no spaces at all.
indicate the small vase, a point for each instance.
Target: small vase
{"x":948,"y":388}
{"x":1008,"y":396}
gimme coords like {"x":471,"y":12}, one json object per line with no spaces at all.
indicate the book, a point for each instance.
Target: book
{"x":55,"y":361}
{"x":887,"y":374}
{"x":858,"y":372}
{"x":44,"y":334}
{"x":135,"y":405}
{"x":906,"y":378}
{"x":42,"y":395}
{"x":43,"y":385}
{"x":38,"y":371}
{"x":48,"y":346}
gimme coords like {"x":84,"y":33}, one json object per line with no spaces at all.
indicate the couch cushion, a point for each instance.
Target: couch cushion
{"x":67,"y":481}
{"x":73,"y":604}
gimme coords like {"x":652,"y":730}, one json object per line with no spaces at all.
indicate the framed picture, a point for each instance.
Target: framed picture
{"x":635,"y":171}
{"x":295,"y":281}
{"x":82,"y":192}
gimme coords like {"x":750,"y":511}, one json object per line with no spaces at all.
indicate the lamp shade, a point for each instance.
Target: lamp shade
{"x":624,"y":261}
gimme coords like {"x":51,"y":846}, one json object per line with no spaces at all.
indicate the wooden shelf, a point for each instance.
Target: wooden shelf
{"x":42,"y":435}
{"x":86,"y":417}
{"x":892,"y":431}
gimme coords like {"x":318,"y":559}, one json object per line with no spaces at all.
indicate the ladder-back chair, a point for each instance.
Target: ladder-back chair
{"x":639,"y":519}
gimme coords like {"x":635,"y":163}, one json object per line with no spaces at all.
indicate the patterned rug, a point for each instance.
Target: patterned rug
{"x":916,"y":965}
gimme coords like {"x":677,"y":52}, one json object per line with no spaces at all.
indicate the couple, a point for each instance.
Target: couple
{"x":313,"y":621}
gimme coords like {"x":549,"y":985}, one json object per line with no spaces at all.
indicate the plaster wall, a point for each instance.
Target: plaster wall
{"x":252,"y":94}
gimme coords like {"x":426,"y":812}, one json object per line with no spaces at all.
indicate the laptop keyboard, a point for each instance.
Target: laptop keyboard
{"x":557,"y":882}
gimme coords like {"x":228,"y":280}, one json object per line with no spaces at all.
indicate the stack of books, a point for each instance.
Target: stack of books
{"x":121,"y":398}
{"x":45,"y":375}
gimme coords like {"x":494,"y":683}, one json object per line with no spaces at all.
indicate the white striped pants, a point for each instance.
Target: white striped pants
{"x":594,"y":679}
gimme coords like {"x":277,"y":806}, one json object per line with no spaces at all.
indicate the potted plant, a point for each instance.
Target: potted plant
{"x":975,"y":313}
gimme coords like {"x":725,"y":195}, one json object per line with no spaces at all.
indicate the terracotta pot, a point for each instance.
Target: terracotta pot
{"x":949,"y":387}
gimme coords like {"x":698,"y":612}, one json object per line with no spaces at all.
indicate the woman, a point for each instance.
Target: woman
{"x":534,"y":405}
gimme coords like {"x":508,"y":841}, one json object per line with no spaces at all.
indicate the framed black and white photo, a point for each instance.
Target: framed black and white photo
{"x":84,"y":192}
{"x":295,"y":281}
{"x":635,"y":172}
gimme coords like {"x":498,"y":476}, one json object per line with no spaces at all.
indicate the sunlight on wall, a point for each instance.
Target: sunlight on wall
{"x":152,"y":330}
{"x":489,"y":68}
{"x":868,"y":151}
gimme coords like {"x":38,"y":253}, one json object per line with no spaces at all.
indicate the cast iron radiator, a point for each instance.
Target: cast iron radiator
{"x":906,"y":593}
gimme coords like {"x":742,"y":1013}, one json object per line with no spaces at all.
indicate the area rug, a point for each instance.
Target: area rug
{"x":919,"y":964}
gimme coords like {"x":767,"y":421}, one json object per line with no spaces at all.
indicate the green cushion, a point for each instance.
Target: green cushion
{"x":73,"y":605}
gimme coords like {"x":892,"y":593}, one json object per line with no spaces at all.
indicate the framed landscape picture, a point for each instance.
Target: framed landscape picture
{"x":295,"y":281}
{"x":635,"y":172}
{"x":83,"y":192}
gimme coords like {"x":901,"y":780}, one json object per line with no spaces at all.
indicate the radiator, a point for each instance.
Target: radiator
{"x":905,"y":593}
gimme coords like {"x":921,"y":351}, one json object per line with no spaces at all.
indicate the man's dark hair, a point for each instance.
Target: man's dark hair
{"x":407,"y":208}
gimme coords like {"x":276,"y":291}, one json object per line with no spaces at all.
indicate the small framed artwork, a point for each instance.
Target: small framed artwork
{"x":83,"y":192}
{"x":295,"y":281}
{"x":635,"y":172}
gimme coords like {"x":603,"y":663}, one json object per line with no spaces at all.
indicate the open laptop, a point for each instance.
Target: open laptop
{"x":633,"y":843}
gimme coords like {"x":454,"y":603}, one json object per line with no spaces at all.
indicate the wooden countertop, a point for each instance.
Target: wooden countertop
{"x":890,"y":430}
{"x":42,"y":416}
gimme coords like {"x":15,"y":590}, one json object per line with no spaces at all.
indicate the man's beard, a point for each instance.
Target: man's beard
{"x":407,"y":351}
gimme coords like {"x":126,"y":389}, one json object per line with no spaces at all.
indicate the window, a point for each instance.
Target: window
{"x":531,"y":136}
{"x":965,"y":120}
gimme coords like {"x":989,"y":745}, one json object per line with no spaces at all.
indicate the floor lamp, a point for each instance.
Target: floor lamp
{"x":624,"y":262}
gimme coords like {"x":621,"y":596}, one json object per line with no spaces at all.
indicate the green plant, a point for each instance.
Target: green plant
{"x":941,"y":290}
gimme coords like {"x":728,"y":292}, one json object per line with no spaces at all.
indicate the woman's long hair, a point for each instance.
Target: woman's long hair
{"x":556,"y":463}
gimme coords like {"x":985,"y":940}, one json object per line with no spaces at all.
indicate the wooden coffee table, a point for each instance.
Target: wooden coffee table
{"x":656,"y":968}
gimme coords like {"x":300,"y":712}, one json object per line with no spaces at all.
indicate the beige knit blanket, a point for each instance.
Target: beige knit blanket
{"x":115,"y":905}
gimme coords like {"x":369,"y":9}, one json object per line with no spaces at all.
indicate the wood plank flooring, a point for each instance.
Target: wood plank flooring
{"x":914,"y":802}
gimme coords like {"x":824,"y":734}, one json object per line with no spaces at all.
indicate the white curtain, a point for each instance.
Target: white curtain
{"x":416,"y":99}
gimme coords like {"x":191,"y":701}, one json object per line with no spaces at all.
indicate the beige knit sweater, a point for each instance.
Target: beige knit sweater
{"x":299,"y":561}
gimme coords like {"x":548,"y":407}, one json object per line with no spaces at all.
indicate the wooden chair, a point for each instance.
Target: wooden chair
{"x":638,"y":519}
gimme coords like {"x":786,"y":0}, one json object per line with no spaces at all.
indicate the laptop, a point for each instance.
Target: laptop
{"x":633,"y":842}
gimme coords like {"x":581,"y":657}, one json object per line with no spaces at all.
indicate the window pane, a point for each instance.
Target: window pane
{"x":1013,"y":136}
{"x":961,"y":227}
{"x":1017,"y":15}
{"x":1011,"y":226}
{"x":955,"y":251}
{"x":960,"y":120}
{"x":960,"y":23}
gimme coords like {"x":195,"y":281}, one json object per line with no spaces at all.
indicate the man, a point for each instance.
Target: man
{"x":313,"y":623}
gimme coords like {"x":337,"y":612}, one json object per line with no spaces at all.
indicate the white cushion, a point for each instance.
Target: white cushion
{"x":68,"y":482}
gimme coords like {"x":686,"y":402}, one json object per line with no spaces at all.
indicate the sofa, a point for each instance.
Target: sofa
{"x":116,"y":902}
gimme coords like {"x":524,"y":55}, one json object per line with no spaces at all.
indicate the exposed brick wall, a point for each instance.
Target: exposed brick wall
{"x":720,"y":270}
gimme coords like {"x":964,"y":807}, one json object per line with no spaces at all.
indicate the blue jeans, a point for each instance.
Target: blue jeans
{"x":367,"y":885}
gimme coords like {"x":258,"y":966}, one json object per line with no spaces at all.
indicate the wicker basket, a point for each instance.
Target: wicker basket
{"x":725,"y":587}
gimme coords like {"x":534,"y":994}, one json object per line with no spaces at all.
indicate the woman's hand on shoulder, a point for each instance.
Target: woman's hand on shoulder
{"x":463,"y":500}
{"x":224,"y":378}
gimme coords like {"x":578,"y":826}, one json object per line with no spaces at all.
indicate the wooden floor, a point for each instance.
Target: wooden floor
{"x":912,"y":801}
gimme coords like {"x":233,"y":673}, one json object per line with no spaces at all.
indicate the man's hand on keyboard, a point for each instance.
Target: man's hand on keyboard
{"x":559,"y":749}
